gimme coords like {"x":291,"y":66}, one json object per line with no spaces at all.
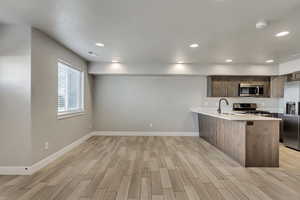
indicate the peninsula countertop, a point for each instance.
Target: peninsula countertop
{"x":234,"y":116}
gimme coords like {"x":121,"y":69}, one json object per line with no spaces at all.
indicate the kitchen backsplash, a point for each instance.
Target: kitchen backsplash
{"x":268,"y":104}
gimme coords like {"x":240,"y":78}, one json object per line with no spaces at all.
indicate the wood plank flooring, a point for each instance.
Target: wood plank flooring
{"x":154,"y":168}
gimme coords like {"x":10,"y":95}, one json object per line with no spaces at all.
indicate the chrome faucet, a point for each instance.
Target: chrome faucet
{"x":220,"y":101}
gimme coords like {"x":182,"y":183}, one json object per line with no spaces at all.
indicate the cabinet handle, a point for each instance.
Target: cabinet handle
{"x":250,"y":123}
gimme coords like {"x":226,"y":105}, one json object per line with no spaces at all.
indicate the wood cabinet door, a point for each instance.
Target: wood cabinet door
{"x":232,"y":88}
{"x":219,"y":88}
{"x":208,"y":128}
{"x":277,"y":86}
{"x":225,"y":88}
{"x":267,"y":92}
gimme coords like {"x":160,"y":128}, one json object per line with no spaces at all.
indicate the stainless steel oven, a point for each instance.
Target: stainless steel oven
{"x":250,"y":90}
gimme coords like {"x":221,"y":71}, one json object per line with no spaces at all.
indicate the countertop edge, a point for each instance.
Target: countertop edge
{"x":235,"y":117}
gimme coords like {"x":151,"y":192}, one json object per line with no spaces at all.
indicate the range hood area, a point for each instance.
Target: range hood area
{"x":246,"y":86}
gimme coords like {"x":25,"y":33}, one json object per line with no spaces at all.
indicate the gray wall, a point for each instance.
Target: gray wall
{"x":45,"y":125}
{"x":28,"y":93}
{"x":131,"y":103}
{"x":14,"y":95}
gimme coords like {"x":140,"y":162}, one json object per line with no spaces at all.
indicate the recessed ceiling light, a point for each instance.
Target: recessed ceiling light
{"x":229,"y":60}
{"x":179,"y":67}
{"x":115,"y":61}
{"x":283,"y":33}
{"x":180,"y":62}
{"x":261,"y":24}
{"x":92,"y":54}
{"x":269,"y":61}
{"x":99,"y":44}
{"x":194,"y":45}
{"x":115,"y":66}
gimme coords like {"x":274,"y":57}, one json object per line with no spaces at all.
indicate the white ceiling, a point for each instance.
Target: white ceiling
{"x":161,"y":30}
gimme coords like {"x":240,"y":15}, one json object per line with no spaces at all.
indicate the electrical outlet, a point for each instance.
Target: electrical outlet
{"x":46,"y":145}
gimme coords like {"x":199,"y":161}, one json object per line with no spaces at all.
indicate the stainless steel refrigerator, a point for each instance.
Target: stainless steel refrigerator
{"x":291,"y":118}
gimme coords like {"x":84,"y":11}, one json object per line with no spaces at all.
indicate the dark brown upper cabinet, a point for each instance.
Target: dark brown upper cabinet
{"x":228,"y":86}
{"x":277,"y":86}
{"x":219,"y":86}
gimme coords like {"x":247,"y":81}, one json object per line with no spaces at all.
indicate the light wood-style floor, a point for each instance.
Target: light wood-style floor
{"x":157,"y":168}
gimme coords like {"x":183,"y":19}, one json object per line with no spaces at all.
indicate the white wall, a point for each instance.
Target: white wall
{"x":45,"y":125}
{"x":186,"y":69}
{"x":15,"y":94}
{"x":132,"y":103}
{"x":289,"y":67}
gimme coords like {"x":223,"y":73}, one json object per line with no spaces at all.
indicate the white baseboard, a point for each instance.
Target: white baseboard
{"x":41,"y":164}
{"x":28,"y":170}
{"x":143,"y":133}
{"x":14,"y":170}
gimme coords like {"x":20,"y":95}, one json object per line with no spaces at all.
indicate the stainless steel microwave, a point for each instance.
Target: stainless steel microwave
{"x":250,"y":90}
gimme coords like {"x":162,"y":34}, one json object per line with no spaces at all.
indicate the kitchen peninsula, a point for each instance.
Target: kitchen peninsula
{"x":251,"y":140}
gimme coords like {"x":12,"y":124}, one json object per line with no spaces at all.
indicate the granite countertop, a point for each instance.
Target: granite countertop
{"x":234,"y":116}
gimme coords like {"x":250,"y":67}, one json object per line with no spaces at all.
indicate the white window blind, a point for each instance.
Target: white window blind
{"x":70,"y":89}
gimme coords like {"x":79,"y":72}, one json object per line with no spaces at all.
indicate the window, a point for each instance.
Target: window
{"x":70,"y":90}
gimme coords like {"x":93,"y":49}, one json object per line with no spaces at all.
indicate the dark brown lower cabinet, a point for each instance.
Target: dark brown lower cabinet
{"x":251,"y":143}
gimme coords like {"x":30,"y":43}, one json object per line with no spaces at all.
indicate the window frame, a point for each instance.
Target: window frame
{"x":77,"y":112}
